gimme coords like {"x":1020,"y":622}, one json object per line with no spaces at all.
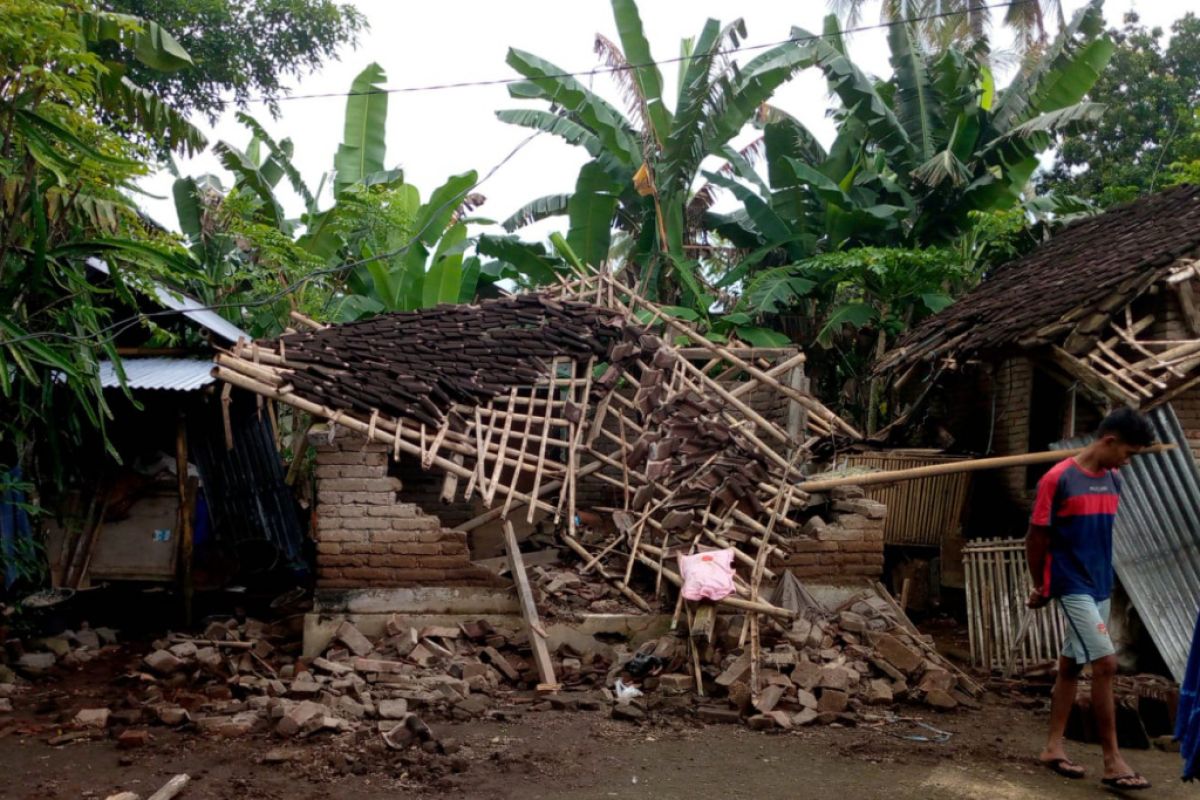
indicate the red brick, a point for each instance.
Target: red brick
{"x":393,"y":537}
{"x":367,"y":573}
{"x":342,"y":536}
{"x":416,"y":524}
{"x":860,"y":547}
{"x":415,"y":549}
{"x":329,"y":548}
{"x":812,"y":546}
{"x":343,"y":560}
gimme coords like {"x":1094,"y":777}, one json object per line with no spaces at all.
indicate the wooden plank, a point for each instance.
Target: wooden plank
{"x":537,"y":634}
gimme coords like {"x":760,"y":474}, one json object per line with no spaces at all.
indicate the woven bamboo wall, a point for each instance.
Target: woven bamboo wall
{"x":919,"y":512}
{"x":997,"y":577}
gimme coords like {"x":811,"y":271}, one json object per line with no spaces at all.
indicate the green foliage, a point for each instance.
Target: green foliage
{"x":62,"y":176}
{"x":1149,"y":129}
{"x":241,"y":50}
{"x":377,"y":248}
{"x":641,"y":178}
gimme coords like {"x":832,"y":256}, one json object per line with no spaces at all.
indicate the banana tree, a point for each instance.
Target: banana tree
{"x":402,"y":253}
{"x":917,"y":154}
{"x":644,"y":173}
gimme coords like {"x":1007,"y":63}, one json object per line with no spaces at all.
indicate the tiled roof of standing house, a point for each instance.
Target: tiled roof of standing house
{"x":1073,"y":284}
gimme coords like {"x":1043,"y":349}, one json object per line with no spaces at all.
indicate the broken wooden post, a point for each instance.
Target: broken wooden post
{"x":537,"y":634}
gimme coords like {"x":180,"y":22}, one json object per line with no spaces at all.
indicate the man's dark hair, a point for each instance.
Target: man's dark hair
{"x":1129,"y":426}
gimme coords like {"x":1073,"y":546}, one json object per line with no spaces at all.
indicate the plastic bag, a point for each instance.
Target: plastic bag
{"x":707,"y":576}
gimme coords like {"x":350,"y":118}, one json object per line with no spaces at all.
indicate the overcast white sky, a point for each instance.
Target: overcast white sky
{"x":435,"y":134}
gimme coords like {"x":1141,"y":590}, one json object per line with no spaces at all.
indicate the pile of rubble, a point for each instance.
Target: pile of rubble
{"x":823,"y":668}
{"x":240,"y":679}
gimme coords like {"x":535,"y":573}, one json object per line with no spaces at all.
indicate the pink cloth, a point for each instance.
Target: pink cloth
{"x":707,"y":575}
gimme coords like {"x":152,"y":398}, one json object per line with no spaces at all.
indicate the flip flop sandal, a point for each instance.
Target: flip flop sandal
{"x":1060,"y":766}
{"x":1115,"y":783}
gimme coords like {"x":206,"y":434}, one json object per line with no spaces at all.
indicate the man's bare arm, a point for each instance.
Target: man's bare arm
{"x":1037,"y":549}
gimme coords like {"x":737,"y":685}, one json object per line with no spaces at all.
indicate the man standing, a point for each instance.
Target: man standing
{"x":1069,"y":546}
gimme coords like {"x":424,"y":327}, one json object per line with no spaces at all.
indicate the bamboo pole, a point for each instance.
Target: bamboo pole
{"x":971,"y":465}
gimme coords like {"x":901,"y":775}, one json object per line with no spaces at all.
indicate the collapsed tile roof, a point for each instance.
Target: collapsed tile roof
{"x":419,"y":364}
{"x":1098,"y":264}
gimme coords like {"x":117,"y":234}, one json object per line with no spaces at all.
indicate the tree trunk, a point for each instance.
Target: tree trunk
{"x":874,"y":388}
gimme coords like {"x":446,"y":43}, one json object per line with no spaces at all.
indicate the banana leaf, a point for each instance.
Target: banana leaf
{"x":364,"y":145}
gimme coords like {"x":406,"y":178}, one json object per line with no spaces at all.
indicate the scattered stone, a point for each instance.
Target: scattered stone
{"x":879,"y":693}
{"x":93,"y":717}
{"x":769,"y":698}
{"x":279,"y":755}
{"x":184,"y":650}
{"x":628,"y":712}
{"x":834,"y":677}
{"x":473,"y":705}
{"x":164,"y":662}
{"x":896,"y":653}
{"x":352,"y":637}
{"x":676,"y":683}
{"x":393,"y":709}
{"x":832,"y":700}
{"x":806,"y":716}
{"x":58,"y":645}
{"x":940,"y":700}
{"x":806,"y":675}
{"x":295,"y":718}
{"x":761,"y":722}
{"x":718,"y":714}
{"x":36,"y":662}
{"x":936,"y":678}
{"x":133,"y":737}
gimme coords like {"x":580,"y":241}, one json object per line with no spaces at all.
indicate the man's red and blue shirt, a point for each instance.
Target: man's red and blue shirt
{"x":1079,"y":508}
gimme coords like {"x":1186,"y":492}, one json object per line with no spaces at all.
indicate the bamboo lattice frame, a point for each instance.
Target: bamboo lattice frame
{"x":997,"y":585}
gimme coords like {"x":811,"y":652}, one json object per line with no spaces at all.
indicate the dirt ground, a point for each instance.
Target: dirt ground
{"x":585,"y":755}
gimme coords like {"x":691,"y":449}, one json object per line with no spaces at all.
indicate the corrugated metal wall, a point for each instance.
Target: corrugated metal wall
{"x":1156,"y":540}
{"x":253,"y":510}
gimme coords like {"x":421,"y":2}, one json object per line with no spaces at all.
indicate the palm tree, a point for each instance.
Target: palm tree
{"x":945,"y":22}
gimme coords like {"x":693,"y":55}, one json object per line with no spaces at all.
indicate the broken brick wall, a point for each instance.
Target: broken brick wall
{"x":366,"y":538}
{"x":846,"y":543}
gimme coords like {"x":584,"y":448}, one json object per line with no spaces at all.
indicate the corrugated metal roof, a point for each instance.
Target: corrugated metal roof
{"x":176,"y":374}
{"x":1156,"y":540}
{"x":191,"y":308}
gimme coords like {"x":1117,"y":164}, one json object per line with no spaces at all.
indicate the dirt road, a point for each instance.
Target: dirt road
{"x":586,"y":756}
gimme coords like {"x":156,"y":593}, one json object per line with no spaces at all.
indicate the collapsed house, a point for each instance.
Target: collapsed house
{"x":1104,"y":314}
{"x":589,"y":420}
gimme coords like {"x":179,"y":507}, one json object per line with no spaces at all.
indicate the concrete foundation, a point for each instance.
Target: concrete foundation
{"x":370,"y":609}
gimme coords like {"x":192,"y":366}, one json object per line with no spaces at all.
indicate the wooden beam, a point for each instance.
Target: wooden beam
{"x":537,"y":634}
{"x":186,"y":544}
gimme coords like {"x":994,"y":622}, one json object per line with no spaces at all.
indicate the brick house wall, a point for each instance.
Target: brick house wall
{"x":1014,"y":393}
{"x":848,"y":545}
{"x":366,"y":538}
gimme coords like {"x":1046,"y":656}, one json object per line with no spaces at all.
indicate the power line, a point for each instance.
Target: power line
{"x":611,"y":69}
